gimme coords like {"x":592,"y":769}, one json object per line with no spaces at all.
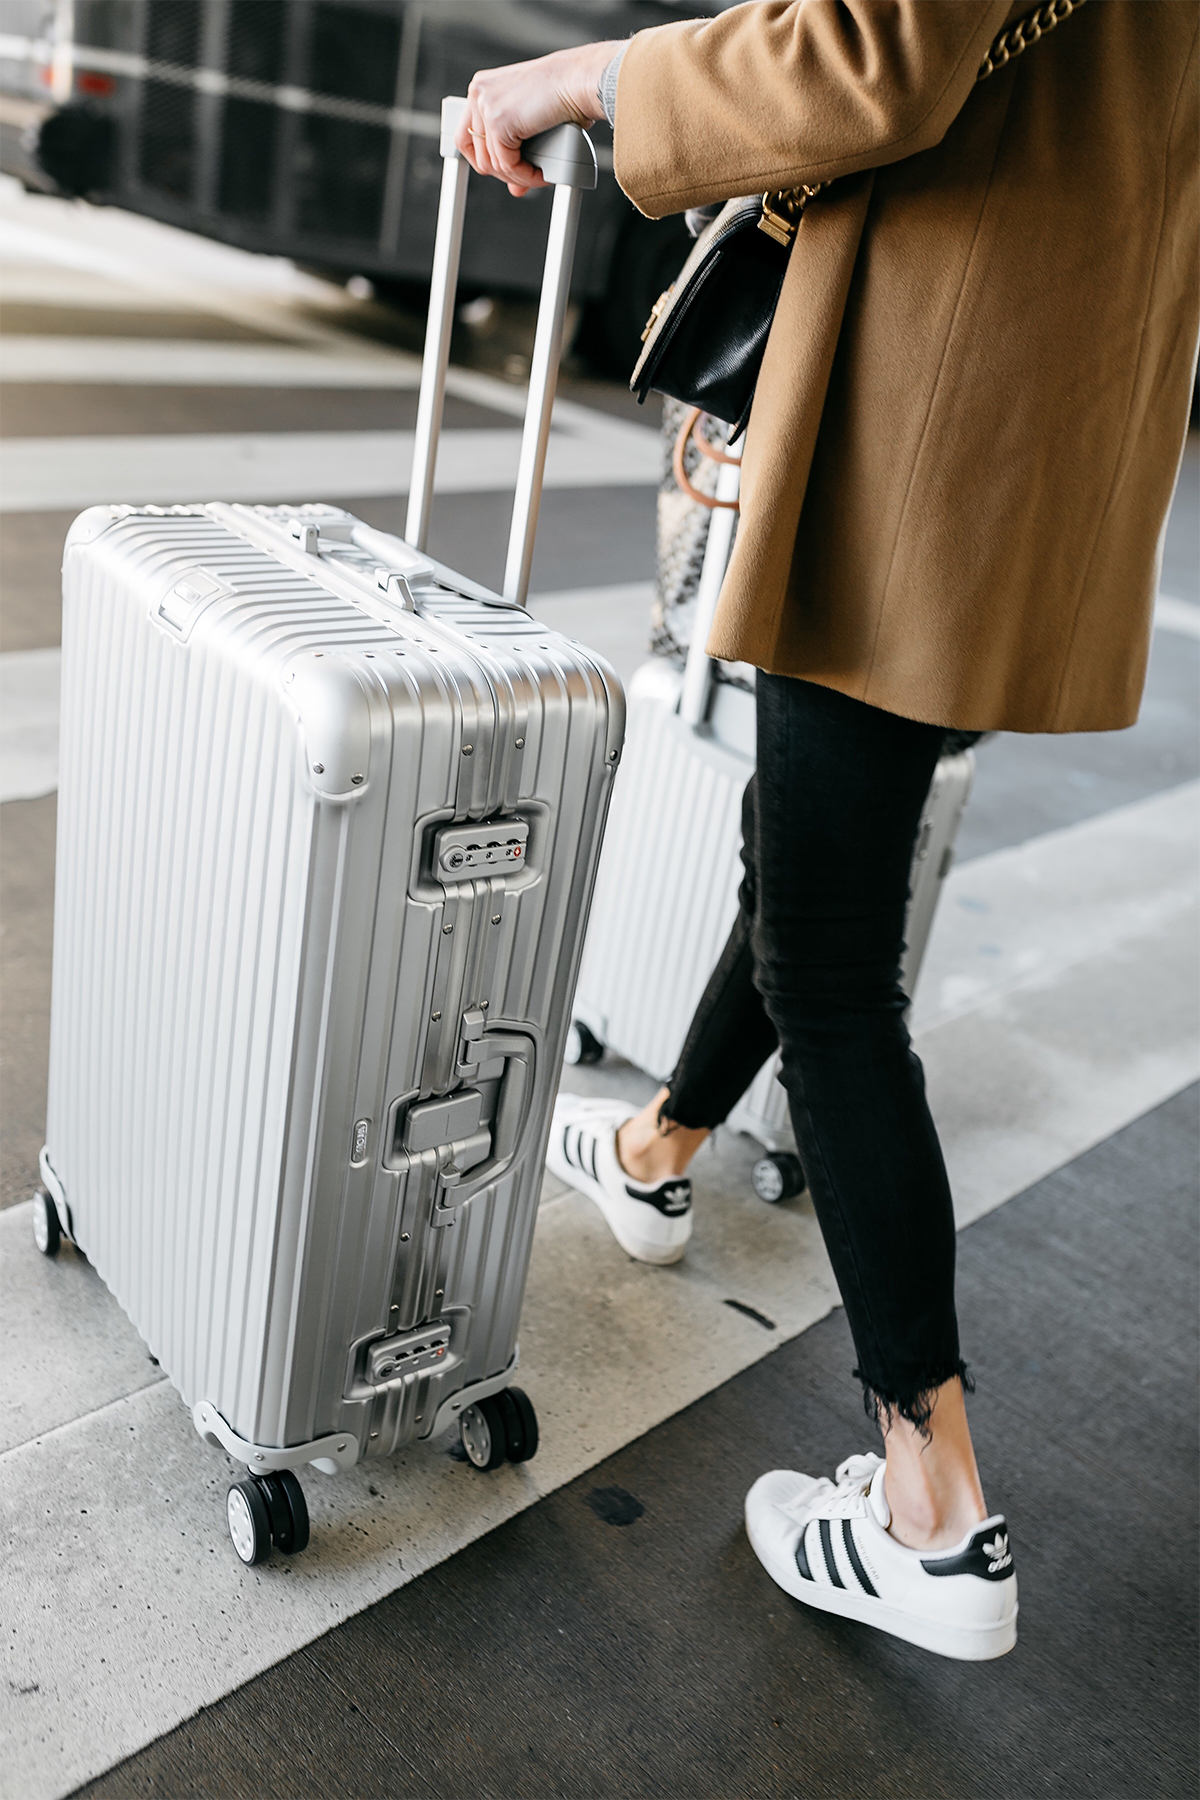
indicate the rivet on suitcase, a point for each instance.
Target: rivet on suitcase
{"x":666,"y":896}
{"x":329,"y":820}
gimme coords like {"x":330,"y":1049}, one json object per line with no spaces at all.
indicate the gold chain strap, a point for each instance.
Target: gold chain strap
{"x":1025,"y":32}
{"x":782,"y":211}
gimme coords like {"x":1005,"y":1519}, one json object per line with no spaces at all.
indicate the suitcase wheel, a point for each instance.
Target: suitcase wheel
{"x":267,"y":1508}
{"x":520,"y":1423}
{"x":47,"y":1232}
{"x":777,"y":1176}
{"x":249,"y":1521}
{"x":500,"y":1429}
{"x":582,"y":1045}
{"x":289,"y":1513}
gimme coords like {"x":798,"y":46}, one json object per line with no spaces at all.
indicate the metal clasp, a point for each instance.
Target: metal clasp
{"x":781,"y":212}
{"x":656,"y":311}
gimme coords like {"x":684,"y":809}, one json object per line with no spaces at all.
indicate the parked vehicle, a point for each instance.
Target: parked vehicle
{"x":308,"y":128}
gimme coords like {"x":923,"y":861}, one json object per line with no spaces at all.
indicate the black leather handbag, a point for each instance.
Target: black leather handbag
{"x":704,"y":341}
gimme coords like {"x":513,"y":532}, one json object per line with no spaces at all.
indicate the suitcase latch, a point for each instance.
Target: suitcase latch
{"x":392,"y":583}
{"x":193,"y":591}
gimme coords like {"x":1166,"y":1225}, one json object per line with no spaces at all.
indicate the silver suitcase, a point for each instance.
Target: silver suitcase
{"x":329,"y":821}
{"x":666,"y":895}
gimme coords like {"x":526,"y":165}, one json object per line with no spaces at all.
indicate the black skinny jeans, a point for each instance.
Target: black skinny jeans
{"x":812,"y":966}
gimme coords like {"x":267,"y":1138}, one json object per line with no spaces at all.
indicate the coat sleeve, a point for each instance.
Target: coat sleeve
{"x":773,"y":95}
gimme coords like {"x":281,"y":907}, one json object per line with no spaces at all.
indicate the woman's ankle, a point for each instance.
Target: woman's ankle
{"x":650,"y":1148}
{"x":932,"y":1480}
{"x":920,"y":1524}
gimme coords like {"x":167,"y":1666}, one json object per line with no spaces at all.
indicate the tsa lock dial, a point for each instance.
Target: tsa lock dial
{"x":465,"y":851}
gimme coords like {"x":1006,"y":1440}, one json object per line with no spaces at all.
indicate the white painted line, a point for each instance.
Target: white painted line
{"x":29,"y":712}
{"x":1171,"y":614}
{"x":198,"y":362}
{"x":1058,"y":997}
{"x":337,"y":361}
{"x":52,"y":474}
{"x":49,"y":284}
{"x":141,"y":1614}
{"x":1030,"y":913}
{"x":180,"y":267}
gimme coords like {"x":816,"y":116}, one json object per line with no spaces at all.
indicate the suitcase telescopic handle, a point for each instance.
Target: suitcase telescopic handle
{"x":698,"y":672}
{"x":567,"y":159}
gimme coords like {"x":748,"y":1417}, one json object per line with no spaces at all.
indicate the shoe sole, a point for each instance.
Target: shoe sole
{"x":964,"y":1643}
{"x":661,"y":1255}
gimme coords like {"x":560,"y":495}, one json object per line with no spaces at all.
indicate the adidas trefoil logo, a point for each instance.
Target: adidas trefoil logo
{"x":998,"y":1553}
{"x":677,"y":1199}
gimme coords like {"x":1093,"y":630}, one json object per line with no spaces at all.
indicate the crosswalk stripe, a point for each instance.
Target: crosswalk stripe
{"x":196,"y":362}
{"x":1171,"y":614}
{"x":58,"y":474}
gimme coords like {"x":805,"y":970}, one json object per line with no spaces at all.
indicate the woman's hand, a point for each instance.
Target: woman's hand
{"x":506,"y":106}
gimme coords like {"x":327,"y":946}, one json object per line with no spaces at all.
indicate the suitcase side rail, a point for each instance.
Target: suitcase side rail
{"x":698,"y":672}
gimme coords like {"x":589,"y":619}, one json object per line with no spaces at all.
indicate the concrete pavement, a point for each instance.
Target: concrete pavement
{"x":1054,"y":1011}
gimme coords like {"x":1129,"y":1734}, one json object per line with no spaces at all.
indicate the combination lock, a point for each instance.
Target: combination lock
{"x":463,"y":852}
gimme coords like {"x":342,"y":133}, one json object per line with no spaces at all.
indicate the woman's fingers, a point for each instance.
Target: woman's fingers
{"x":507,"y":106}
{"x":483,"y":141}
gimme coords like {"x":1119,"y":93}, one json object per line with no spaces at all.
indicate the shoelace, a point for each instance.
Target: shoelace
{"x":845,"y":1499}
{"x":858,"y":1471}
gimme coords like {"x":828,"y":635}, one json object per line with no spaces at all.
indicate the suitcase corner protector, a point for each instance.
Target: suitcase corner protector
{"x":331,"y":1455}
{"x":448,"y":1412}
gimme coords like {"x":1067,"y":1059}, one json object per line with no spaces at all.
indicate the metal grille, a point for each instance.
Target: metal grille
{"x":256,"y":40}
{"x":340,"y":171}
{"x":354,"y":54}
{"x":248,"y":141}
{"x":167,"y":145}
{"x":173,"y":29}
{"x":106,"y":23}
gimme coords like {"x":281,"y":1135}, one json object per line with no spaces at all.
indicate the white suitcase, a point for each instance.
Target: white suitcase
{"x":666,"y":896}
{"x":329,"y":820}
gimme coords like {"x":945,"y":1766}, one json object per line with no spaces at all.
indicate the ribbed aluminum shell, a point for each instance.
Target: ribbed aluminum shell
{"x":246,"y":966}
{"x":666,"y":895}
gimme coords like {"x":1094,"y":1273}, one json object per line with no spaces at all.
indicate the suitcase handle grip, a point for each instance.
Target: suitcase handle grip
{"x":567,"y":158}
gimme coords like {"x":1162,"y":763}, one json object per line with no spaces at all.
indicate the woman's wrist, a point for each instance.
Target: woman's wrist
{"x":505,"y":107}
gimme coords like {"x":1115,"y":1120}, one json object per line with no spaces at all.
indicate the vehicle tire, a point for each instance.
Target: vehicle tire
{"x":777,"y":1176}
{"x":249,"y":1521}
{"x":582,"y":1045}
{"x":484,"y":1436}
{"x":520,"y":1424}
{"x":47,"y":1232}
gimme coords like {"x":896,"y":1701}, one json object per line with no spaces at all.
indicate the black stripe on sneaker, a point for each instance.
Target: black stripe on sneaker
{"x":567,"y":1157}
{"x":864,"y":1580}
{"x":802,"y":1557}
{"x":592,"y":1157}
{"x":827,"y":1553}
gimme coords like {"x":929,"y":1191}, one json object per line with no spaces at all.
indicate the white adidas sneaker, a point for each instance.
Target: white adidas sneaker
{"x":829,"y":1546}
{"x":650,"y":1222}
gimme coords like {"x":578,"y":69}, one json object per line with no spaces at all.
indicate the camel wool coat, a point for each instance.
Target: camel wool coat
{"x":970,"y":413}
